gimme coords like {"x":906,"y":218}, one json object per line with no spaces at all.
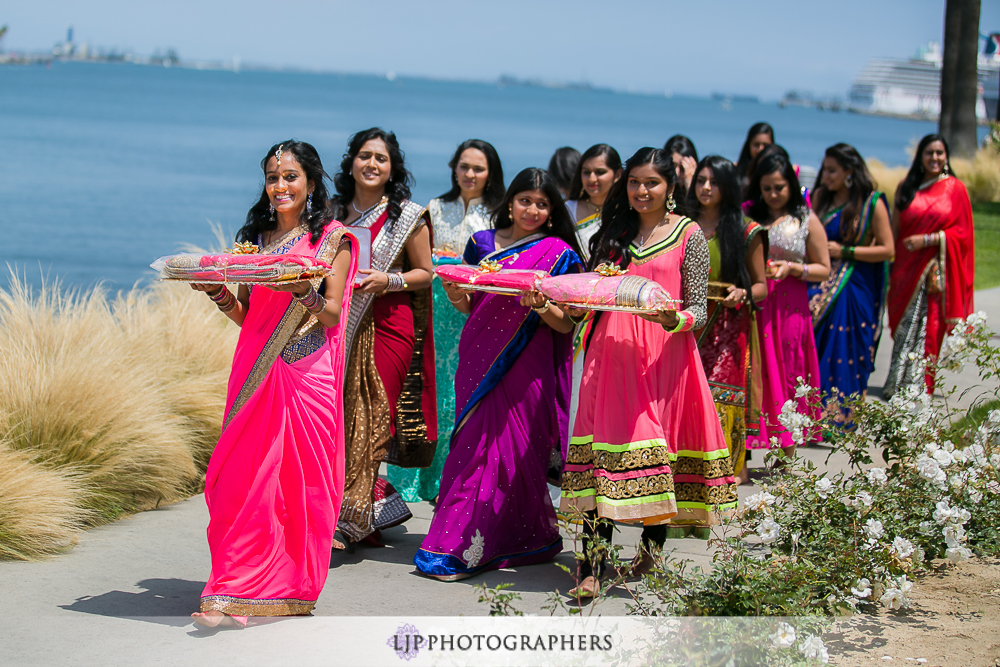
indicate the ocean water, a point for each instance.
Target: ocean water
{"x":108,"y":166}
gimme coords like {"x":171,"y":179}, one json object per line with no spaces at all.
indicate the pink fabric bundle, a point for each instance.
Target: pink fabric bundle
{"x":223,"y":268}
{"x":593,"y":291}
{"x":497,"y":281}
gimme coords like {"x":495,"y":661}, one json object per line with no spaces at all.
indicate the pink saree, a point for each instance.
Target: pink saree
{"x":275,"y":482}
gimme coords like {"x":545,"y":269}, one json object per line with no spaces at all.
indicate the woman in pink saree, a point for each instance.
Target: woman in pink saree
{"x":274,"y":484}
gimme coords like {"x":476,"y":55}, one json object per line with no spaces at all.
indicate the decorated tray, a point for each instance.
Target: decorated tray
{"x":489,"y":277}
{"x":608,"y":288}
{"x":240,"y":267}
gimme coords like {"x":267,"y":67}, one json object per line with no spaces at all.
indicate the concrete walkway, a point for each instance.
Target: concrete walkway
{"x":123,"y":594}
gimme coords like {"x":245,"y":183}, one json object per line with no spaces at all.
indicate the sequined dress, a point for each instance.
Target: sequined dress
{"x":784,"y":328}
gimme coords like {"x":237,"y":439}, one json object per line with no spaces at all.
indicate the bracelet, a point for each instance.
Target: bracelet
{"x":579,"y":320}
{"x":847,"y":251}
{"x":542,"y":309}
{"x":928,"y":240}
{"x":396,"y":282}
{"x":460,"y":300}
{"x":312,"y":301}
{"x":805,"y":271}
{"x":224,"y":299}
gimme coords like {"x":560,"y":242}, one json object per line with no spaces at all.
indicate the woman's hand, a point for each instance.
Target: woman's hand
{"x":836,"y":249}
{"x":735,"y":298}
{"x":915,"y":242}
{"x":665,"y":318}
{"x":575,"y":313}
{"x":299,"y":288}
{"x":778,"y":269}
{"x":210,"y":288}
{"x":374,"y":282}
{"x":533,"y":299}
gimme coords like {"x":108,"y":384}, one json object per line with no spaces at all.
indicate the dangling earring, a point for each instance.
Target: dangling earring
{"x":309,"y":204}
{"x":510,"y":212}
{"x":271,"y":206}
{"x":946,"y":170}
{"x":849,"y":181}
{"x":671,"y":204}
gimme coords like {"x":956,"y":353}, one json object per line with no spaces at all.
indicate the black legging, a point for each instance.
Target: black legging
{"x":652,"y":536}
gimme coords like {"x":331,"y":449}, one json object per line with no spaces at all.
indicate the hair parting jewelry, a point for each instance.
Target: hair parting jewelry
{"x":277,"y":153}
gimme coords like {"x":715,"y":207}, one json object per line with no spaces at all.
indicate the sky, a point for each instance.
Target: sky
{"x":693,"y":47}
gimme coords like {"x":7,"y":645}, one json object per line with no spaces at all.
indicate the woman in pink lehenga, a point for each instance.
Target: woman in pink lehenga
{"x":797,"y":254}
{"x":647,"y":447}
{"x":275,"y":481}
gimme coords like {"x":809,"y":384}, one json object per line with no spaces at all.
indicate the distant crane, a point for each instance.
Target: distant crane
{"x":3,"y":31}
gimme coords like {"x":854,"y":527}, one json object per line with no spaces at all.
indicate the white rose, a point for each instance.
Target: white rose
{"x":814,"y":649}
{"x":784,"y":636}
{"x":874,"y":529}
{"x":901,"y":547}
{"x":768,"y":531}
{"x":958,"y":554}
{"x":863,"y":588}
{"x":893,"y":598}
{"x":824,"y":486}
{"x":877,"y":476}
{"x":865,"y":498}
{"x":953,"y":536}
{"x":759,"y":501}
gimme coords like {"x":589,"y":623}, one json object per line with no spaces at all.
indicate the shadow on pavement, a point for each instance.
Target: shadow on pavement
{"x":164,"y":602}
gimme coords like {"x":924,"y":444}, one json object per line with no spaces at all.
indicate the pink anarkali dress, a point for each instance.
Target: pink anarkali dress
{"x":275,"y":482}
{"x":647,"y":446}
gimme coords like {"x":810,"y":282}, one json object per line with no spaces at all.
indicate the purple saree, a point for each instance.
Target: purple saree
{"x":512,"y":394}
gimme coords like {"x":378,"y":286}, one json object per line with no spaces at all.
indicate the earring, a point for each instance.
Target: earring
{"x":309,"y":204}
{"x":271,"y":206}
{"x":946,"y":170}
{"x":510,"y":211}
{"x":849,"y":181}
{"x":671,"y":204}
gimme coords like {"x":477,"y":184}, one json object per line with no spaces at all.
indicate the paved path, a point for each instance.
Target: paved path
{"x":122,"y":595}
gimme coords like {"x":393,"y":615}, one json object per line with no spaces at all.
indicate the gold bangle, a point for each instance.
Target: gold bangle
{"x":542,"y":309}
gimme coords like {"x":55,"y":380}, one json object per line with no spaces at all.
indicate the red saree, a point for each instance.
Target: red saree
{"x":937,"y":280}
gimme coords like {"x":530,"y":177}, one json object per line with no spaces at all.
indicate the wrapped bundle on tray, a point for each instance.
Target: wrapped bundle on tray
{"x":489,"y":277}
{"x":240,"y":268}
{"x":608,"y":288}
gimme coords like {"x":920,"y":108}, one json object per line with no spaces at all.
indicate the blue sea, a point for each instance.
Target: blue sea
{"x":106,"y":167}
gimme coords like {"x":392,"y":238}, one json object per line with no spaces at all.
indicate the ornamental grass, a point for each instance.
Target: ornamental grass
{"x":108,"y":406}
{"x":981,"y":175}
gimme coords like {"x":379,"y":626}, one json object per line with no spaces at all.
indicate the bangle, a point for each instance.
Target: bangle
{"x":312,"y":301}
{"x":224,"y":299}
{"x":543,"y":308}
{"x":805,"y":271}
{"x":847,"y":252}
{"x":460,"y":299}
{"x":396,"y":282}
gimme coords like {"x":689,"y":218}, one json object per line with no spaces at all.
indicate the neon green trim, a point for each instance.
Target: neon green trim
{"x":579,"y":494}
{"x":704,"y":456}
{"x":688,"y":505}
{"x":682,"y":321}
{"x":636,"y":501}
{"x":581,"y":439}
{"x":629,"y":446}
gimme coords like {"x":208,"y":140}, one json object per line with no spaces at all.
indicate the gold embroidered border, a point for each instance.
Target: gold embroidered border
{"x":714,"y":469}
{"x":234,"y":606}
{"x":673,"y":241}
{"x":634,"y":488}
{"x":692,"y":492}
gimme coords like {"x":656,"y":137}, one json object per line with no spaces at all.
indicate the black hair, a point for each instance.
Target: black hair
{"x":745,"y":163}
{"x":563,"y":165}
{"x":733,"y":266}
{"x":907,"y":190}
{"x":619,"y":221}
{"x":397,"y":189}
{"x":259,"y":219}
{"x":862,"y":186}
{"x":611,"y":158}
{"x":772,"y":159}
{"x":682,"y":145}
{"x":561,"y":224}
{"x":494,"y":191}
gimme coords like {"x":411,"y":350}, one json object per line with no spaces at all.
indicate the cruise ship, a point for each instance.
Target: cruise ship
{"x":912,"y":87}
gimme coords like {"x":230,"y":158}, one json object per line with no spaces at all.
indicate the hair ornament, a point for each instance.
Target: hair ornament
{"x":277,"y":153}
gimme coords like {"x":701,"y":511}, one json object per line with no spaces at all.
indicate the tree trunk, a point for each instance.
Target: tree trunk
{"x":959,"y":76}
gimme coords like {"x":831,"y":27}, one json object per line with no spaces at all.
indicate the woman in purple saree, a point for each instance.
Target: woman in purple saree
{"x":512,"y":393}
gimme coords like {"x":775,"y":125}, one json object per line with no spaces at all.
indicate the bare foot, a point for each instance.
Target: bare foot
{"x":216,"y":619}
{"x":588,"y":588}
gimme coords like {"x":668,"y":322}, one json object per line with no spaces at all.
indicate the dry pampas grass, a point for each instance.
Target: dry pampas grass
{"x":107,"y":406}
{"x":981,"y":175}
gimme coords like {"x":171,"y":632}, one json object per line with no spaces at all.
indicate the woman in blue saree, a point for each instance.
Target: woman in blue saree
{"x":847,"y":307}
{"x":512,"y":395}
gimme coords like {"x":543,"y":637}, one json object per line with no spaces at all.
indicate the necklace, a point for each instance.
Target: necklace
{"x":927,"y":184}
{"x":355,"y":207}
{"x":595,"y":207}
{"x":643,"y":240}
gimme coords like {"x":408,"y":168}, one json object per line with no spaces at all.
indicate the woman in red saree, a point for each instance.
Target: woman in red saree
{"x":275,"y":481}
{"x":931,"y":283}
{"x":391,"y":409}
